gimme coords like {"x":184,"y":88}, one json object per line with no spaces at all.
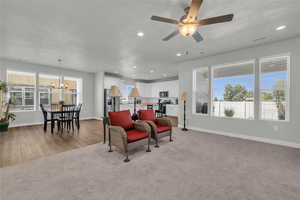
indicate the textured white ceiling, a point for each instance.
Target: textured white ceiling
{"x":96,"y":35}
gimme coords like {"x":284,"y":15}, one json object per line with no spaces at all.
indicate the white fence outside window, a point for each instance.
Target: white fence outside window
{"x":245,"y":110}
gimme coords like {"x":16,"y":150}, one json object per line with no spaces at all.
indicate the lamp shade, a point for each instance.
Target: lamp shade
{"x":114,"y":91}
{"x":134,"y":92}
{"x":184,"y":96}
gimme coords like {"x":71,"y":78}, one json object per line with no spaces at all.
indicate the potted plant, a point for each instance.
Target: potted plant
{"x":229,"y":112}
{"x":5,"y":115}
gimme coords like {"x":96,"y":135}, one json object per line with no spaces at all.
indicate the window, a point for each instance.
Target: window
{"x":72,"y":93}
{"x":48,"y":92}
{"x":233,"y":87}
{"x":45,"y":96}
{"x":201,"y":91}
{"x":125,"y":91}
{"x":274,"y":88}
{"x":21,"y":90}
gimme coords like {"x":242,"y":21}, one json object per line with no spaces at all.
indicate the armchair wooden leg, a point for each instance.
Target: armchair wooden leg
{"x":156,"y":145}
{"x":171,"y":140}
{"x":148,"y":149}
{"x":156,"y":142}
{"x":126,"y":159}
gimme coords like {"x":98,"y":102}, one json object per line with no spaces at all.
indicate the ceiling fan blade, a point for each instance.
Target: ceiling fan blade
{"x":173,"y":34}
{"x":197,"y":36}
{"x":163,"y":19}
{"x":215,"y":20}
{"x":194,"y":9}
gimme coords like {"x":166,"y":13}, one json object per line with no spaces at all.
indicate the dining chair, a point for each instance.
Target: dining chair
{"x":46,"y":120}
{"x":77,"y":115}
{"x":66,"y":119}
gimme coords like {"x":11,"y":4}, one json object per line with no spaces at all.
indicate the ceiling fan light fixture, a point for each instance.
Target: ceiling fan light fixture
{"x":188,"y":29}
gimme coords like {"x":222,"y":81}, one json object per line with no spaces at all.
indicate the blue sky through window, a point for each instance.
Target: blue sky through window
{"x":125,"y":90}
{"x":268,"y":80}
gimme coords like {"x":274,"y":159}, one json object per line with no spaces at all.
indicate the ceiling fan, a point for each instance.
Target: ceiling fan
{"x":188,"y":24}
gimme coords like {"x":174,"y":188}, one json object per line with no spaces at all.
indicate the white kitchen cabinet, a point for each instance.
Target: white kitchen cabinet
{"x":145,"y":89}
{"x":153,"y":89}
{"x":174,"y":89}
{"x":172,"y":110}
{"x":170,"y":86}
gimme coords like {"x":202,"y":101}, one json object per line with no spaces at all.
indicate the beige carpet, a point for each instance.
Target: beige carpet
{"x":195,"y":166}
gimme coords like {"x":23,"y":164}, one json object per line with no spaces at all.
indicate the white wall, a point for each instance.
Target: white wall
{"x":33,"y":117}
{"x":279,"y":131}
{"x":99,"y":88}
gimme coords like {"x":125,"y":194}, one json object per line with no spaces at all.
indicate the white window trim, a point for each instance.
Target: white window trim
{"x":251,"y":61}
{"x":48,"y":96}
{"x":194,"y":91}
{"x":5,"y":71}
{"x":44,"y":75}
{"x":287,"y":113}
{"x":79,"y":88}
{"x":256,"y":88}
{"x":35,"y":87}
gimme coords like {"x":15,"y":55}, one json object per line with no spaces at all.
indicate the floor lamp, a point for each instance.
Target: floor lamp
{"x":114,"y":92}
{"x":134,"y":93}
{"x":183,"y":98}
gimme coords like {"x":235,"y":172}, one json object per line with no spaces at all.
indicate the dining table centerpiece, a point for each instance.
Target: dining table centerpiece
{"x":5,"y":115}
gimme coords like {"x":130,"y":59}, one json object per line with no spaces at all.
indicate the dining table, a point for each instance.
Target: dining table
{"x":55,"y":113}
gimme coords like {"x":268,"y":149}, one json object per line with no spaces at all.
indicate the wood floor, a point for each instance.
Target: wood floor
{"x":23,"y":144}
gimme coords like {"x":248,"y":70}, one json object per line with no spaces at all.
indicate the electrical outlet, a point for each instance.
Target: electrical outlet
{"x":276,"y":127}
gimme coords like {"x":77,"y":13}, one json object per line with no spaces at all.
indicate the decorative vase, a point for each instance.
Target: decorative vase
{"x":4,"y":125}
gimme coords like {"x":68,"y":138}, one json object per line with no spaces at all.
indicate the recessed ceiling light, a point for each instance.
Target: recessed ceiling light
{"x":178,"y":54}
{"x":151,"y":71}
{"x":281,"y":27}
{"x":116,"y":72}
{"x":165,"y":75}
{"x":140,"y":34}
{"x":134,"y":67}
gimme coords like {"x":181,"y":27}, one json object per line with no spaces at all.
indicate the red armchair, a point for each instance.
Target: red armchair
{"x":160,"y":127}
{"x":123,"y":131}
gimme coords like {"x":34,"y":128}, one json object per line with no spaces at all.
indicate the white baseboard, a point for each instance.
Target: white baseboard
{"x":25,"y":124}
{"x":247,"y":137}
{"x":40,"y":123}
{"x":98,"y":118}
